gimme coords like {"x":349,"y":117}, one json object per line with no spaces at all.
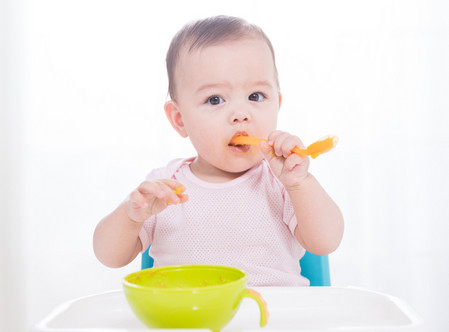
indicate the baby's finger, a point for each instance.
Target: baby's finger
{"x":173,"y":184}
{"x":273,"y":136}
{"x":276,"y":140}
{"x":295,"y":160}
{"x":267,"y":151}
{"x":183,"y":198}
{"x":177,"y":189}
{"x":136,"y":200}
{"x":151,"y":190}
{"x":166,"y":189}
{"x":284,"y":143}
{"x":291,"y":142}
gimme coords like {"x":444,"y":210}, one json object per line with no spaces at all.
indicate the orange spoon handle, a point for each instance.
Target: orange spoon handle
{"x":247,"y":140}
{"x":314,"y":150}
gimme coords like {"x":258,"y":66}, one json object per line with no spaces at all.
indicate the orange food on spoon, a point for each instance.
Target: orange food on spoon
{"x":314,"y":150}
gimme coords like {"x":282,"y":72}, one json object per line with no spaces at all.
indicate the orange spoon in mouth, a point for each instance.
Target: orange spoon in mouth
{"x":314,"y":150}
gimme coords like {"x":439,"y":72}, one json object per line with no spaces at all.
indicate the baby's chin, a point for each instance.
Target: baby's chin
{"x":242,"y":166}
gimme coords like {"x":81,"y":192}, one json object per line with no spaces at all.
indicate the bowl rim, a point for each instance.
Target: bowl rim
{"x":128,"y":284}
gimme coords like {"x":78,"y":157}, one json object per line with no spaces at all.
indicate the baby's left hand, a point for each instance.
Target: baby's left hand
{"x":290,"y":168}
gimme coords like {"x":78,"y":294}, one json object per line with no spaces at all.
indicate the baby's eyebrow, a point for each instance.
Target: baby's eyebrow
{"x":208,"y":86}
{"x":261,"y":83}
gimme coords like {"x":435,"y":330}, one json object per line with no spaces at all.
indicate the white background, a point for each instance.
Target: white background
{"x":82,"y":90}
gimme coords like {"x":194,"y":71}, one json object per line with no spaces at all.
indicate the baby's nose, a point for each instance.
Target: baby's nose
{"x":240,"y":117}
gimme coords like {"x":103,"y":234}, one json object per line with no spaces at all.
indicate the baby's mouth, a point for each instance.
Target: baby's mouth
{"x":238,"y":147}
{"x":239,"y":133}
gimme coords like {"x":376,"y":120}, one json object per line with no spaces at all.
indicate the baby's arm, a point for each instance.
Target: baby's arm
{"x":320,"y":222}
{"x":116,"y":237}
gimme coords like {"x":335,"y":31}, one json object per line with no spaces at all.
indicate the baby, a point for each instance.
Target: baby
{"x":256,"y":208}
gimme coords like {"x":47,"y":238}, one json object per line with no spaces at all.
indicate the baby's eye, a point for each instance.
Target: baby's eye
{"x":215,"y":100}
{"x":256,"y":96}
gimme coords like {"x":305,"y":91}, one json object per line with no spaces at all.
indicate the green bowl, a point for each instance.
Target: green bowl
{"x":189,"y":296}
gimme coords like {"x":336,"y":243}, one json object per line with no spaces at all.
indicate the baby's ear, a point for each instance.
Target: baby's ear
{"x":174,"y":116}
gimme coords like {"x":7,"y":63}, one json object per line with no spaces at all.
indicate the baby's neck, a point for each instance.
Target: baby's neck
{"x":212,"y":174}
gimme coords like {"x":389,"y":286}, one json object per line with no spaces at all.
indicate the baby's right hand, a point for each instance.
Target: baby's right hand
{"x":151,"y":197}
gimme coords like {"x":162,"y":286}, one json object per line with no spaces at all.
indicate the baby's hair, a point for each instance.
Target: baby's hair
{"x":208,"y":32}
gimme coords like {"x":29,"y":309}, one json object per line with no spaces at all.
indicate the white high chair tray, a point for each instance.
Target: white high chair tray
{"x":291,"y":308}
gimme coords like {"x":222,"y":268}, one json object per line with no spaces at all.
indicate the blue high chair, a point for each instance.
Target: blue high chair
{"x":313,"y":267}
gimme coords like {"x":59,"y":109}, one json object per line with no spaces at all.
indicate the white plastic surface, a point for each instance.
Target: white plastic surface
{"x":291,"y":309}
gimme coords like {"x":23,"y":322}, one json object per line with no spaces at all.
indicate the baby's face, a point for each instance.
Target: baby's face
{"x":223,"y":91}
